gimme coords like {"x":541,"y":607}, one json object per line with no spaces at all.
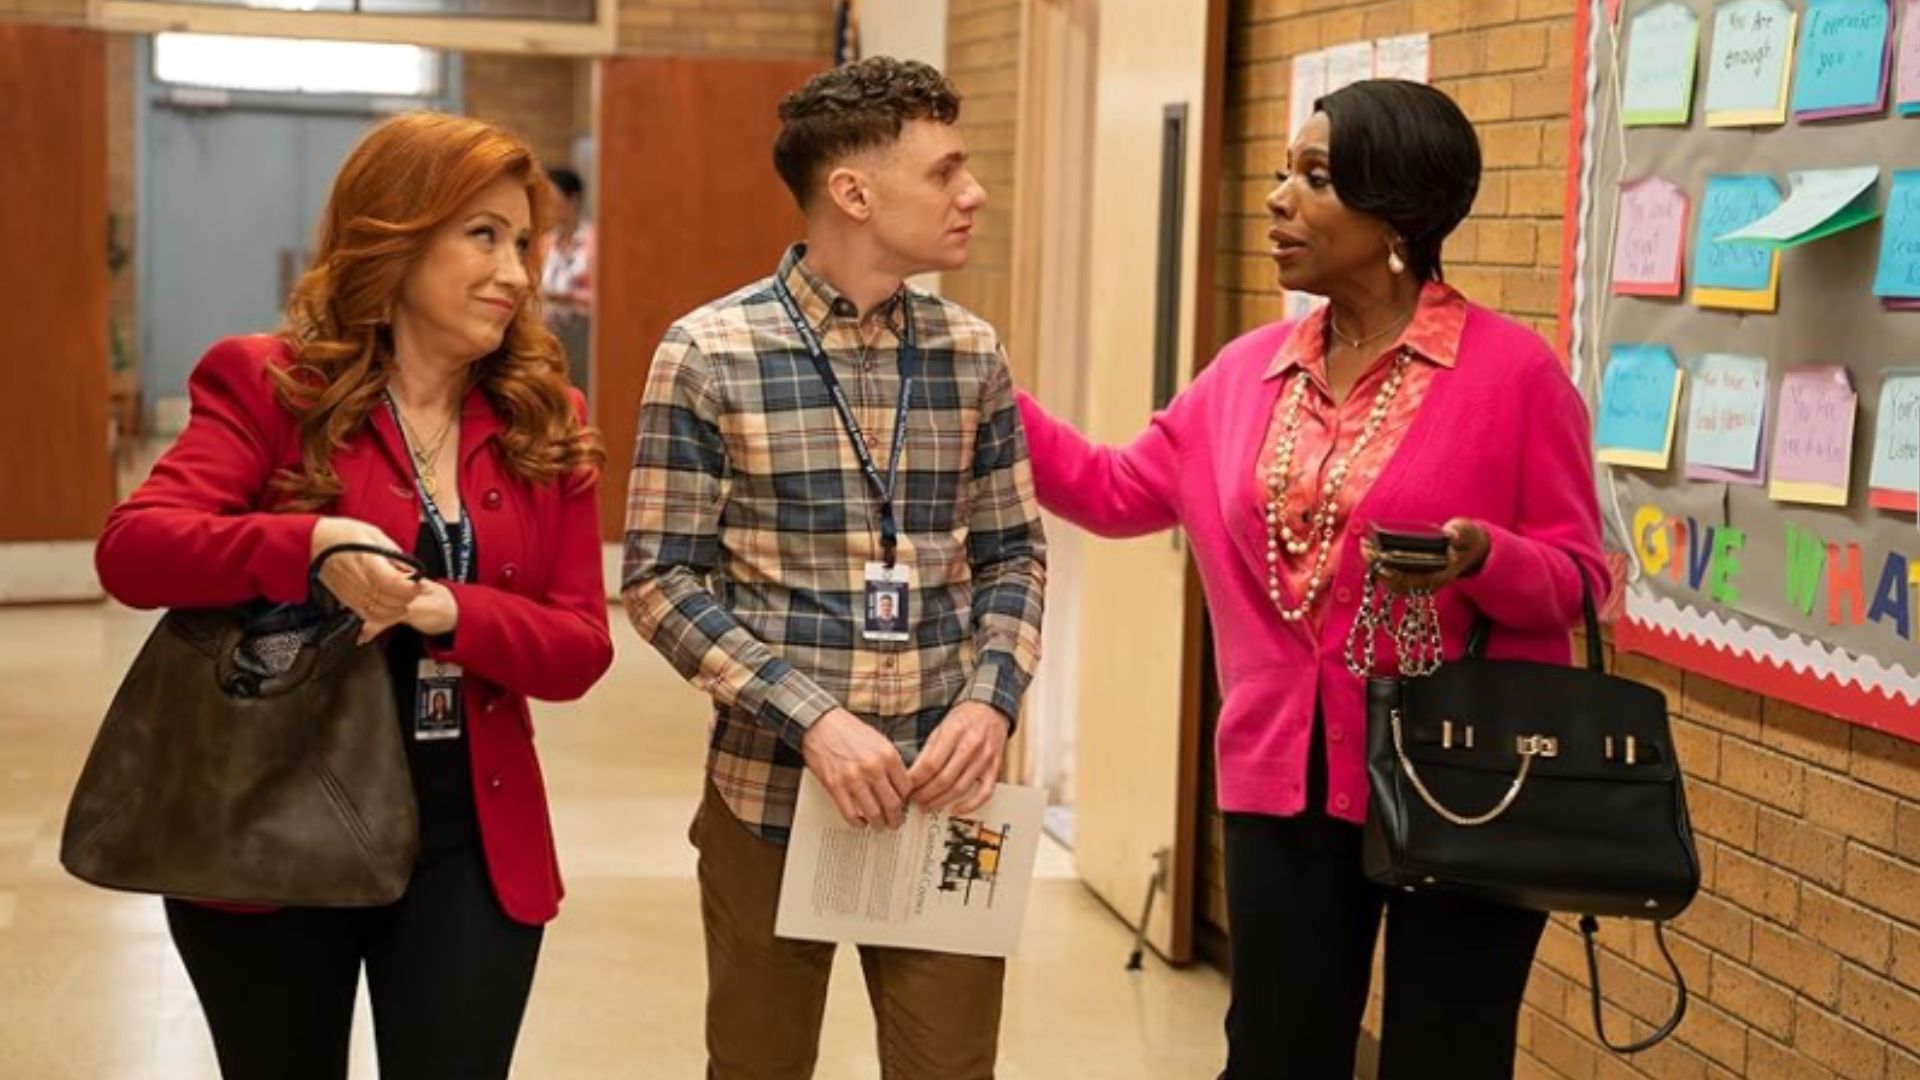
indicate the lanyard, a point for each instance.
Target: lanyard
{"x":882,"y":485}
{"x":459,"y":563}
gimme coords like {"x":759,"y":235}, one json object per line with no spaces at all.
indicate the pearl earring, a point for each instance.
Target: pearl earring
{"x":1394,"y":262}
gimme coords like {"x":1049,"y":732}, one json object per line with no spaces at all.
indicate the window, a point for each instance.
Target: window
{"x":287,"y":65}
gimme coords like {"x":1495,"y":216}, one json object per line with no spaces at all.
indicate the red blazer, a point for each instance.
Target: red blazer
{"x":201,"y":533}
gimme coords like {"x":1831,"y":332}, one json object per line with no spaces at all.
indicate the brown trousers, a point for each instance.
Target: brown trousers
{"x":938,"y":1015}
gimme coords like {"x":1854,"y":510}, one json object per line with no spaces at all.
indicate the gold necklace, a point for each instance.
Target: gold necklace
{"x":426,"y":460}
{"x":1322,"y":527}
{"x":1356,"y":342}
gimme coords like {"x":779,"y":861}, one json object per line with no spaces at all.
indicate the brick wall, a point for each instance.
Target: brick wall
{"x":1505,"y":61}
{"x":536,"y":97}
{"x":1803,"y":950}
{"x":727,"y":27}
{"x":983,"y":60}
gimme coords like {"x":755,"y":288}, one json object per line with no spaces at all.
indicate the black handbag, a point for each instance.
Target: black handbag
{"x":1534,"y":785}
{"x":253,"y":754}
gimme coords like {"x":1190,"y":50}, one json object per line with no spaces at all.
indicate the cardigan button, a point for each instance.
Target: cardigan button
{"x":493,"y":782}
{"x":1334,"y":734}
{"x":491,"y":705}
{"x":491,"y":500}
{"x":1341,"y":802}
{"x":509,"y":572}
{"x":1344,"y":595}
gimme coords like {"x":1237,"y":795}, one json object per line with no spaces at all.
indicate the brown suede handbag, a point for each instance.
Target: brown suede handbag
{"x":252,"y":755}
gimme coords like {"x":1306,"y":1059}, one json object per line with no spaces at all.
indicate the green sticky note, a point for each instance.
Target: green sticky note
{"x":1663,"y":46}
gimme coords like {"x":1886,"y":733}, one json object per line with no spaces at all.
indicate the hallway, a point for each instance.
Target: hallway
{"x":90,"y":987}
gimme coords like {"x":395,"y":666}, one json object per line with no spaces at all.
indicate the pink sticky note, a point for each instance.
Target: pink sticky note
{"x":1907,"y":92}
{"x":1651,"y":238}
{"x":1813,"y":443}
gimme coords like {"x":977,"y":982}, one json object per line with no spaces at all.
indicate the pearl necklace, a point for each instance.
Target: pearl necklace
{"x":1319,"y":537}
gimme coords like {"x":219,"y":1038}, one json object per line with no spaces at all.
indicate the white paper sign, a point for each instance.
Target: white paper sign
{"x":1348,"y":64}
{"x":1308,"y":85}
{"x":938,"y":882}
{"x":1407,"y":57}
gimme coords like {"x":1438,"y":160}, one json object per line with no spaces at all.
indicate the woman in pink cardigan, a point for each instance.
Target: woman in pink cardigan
{"x":1397,"y":402}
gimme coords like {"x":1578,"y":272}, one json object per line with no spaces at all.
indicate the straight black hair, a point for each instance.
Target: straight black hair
{"x":1405,"y":153}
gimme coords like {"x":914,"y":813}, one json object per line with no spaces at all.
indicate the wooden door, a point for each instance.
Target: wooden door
{"x":57,"y":483}
{"x":690,"y":209}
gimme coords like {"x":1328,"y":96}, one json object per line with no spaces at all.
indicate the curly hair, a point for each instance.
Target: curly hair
{"x":855,"y":107}
{"x":408,"y":177}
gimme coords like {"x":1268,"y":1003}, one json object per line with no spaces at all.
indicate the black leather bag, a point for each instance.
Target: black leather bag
{"x":253,"y":754}
{"x":1535,"y":785}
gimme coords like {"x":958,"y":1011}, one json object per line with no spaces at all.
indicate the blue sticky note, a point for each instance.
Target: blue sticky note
{"x":1899,"y":273}
{"x":1727,"y":411}
{"x":1637,"y":401}
{"x":1733,"y":202}
{"x":1842,"y":60}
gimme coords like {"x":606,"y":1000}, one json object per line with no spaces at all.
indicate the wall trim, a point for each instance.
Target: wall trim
{"x":39,"y":572}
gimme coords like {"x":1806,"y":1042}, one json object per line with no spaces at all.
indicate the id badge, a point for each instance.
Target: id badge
{"x":887,"y":616}
{"x":436,"y":709}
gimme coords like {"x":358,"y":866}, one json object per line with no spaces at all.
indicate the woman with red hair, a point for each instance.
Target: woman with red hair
{"x":413,"y":400}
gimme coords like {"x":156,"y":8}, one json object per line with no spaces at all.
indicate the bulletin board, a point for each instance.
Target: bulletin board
{"x":1814,"y":604}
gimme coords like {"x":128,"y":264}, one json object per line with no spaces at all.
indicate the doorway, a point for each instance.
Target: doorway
{"x":231,"y":183}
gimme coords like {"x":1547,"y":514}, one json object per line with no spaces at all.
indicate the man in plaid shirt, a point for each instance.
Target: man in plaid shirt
{"x":831,"y":529}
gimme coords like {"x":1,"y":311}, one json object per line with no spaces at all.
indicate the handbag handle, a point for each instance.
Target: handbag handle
{"x":1483,"y":626}
{"x":1589,"y":926}
{"x":417,"y":568}
{"x":1528,"y":746}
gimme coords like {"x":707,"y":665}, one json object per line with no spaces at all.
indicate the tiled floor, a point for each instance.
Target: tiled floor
{"x":90,"y":988}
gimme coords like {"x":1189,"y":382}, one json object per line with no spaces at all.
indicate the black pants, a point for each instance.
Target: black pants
{"x":447,"y":971}
{"x":1304,"y":920}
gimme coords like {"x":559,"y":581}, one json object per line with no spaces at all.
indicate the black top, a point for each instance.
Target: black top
{"x":442,"y":773}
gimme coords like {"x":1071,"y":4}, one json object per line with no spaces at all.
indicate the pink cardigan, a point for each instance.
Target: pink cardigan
{"x":1503,"y":438}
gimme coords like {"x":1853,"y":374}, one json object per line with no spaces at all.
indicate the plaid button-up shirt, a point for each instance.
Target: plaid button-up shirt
{"x":750,"y":523}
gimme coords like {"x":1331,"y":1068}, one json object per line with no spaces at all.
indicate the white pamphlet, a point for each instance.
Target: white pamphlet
{"x":938,"y":882}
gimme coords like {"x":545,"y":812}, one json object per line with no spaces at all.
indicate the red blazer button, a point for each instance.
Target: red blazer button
{"x":491,"y":500}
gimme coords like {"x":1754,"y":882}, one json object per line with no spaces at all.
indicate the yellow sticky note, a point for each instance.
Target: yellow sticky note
{"x":1763,"y":300}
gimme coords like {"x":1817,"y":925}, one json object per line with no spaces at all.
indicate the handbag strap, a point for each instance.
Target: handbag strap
{"x":1589,"y":926}
{"x":1528,"y":748}
{"x":415,"y":566}
{"x":1483,"y":626}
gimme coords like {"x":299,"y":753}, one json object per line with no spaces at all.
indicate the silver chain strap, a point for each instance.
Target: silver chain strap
{"x":1416,"y":634}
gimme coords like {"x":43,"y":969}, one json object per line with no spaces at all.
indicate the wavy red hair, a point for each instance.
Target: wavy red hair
{"x":408,"y":177}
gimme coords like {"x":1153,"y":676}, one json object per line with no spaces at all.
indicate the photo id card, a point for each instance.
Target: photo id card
{"x":887,"y":617}
{"x":436,"y":709}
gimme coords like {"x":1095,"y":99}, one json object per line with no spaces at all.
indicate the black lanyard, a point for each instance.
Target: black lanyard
{"x":909,"y":360}
{"x":459,"y":564}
